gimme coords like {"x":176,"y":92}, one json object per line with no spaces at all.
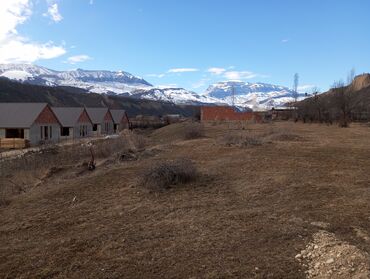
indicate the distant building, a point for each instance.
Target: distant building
{"x":282,"y":114}
{"x":102,"y":121}
{"x":226,"y":113}
{"x":171,"y":118}
{"x":35,"y":122}
{"x":75,"y":122}
{"x":120,"y":120}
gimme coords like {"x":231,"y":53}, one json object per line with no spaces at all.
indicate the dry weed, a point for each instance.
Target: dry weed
{"x":166,"y":174}
{"x":193,"y":131}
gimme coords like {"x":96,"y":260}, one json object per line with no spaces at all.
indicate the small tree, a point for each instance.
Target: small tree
{"x":343,"y":102}
{"x":318,"y":106}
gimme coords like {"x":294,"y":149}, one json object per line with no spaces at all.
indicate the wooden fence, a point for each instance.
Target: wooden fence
{"x":14,"y":143}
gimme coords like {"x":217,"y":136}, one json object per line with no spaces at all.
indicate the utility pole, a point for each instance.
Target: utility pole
{"x":295,"y":87}
{"x":295,"y":95}
{"x":233,"y":95}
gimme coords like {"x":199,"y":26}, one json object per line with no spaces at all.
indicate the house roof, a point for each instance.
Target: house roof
{"x":68,"y":116}
{"x":97,"y":114}
{"x":117,"y":115}
{"x":19,"y":115}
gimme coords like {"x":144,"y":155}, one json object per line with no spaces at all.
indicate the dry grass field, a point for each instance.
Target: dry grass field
{"x":264,"y":195}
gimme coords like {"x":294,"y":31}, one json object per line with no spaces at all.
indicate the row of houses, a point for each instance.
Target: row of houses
{"x":39,"y":122}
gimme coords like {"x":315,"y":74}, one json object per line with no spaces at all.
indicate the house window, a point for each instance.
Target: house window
{"x":64,"y":131}
{"x":14,"y":133}
{"x":95,"y":127}
{"x":46,"y":132}
{"x":83,"y":130}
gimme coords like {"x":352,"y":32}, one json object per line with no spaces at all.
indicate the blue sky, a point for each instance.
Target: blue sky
{"x":192,"y":43}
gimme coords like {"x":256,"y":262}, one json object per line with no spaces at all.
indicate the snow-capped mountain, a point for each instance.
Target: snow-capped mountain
{"x":118,"y":82}
{"x":256,"y":96}
{"x":174,"y":95}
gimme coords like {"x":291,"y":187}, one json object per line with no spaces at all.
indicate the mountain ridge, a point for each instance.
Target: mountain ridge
{"x":256,"y":96}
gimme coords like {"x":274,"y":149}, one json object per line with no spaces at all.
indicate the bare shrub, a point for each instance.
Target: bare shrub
{"x":241,"y":140}
{"x":164,"y":175}
{"x":193,"y":131}
{"x":283,"y":135}
{"x":139,"y":141}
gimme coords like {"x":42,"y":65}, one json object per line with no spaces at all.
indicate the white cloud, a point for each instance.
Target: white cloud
{"x":15,"y":48}
{"x":53,"y":12}
{"x":78,"y":58}
{"x":239,"y":75}
{"x":156,"y":75}
{"x":284,"y":41}
{"x":216,"y":71}
{"x":200,"y":83}
{"x":182,"y":70}
{"x":91,"y":2}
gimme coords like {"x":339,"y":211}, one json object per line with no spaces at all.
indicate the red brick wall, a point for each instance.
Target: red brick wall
{"x":47,"y":116}
{"x":108,"y":117}
{"x":125,"y":119}
{"x":83,"y":117}
{"x":225,"y":114}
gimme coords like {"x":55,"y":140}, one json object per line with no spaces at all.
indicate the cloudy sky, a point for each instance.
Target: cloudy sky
{"x":192,"y":43}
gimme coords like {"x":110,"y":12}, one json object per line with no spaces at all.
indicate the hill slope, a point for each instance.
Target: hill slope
{"x":11,"y":91}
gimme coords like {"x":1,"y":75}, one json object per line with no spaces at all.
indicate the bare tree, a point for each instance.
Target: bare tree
{"x":343,"y":102}
{"x":317,"y":102}
{"x":351,"y":76}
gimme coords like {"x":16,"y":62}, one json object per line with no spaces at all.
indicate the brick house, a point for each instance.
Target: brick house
{"x":102,"y":121}
{"x":75,"y":122}
{"x":35,"y":122}
{"x":120,"y":120}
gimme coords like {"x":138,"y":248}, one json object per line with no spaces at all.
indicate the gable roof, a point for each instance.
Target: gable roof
{"x":97,"y":114}
{"x":68,"y":116}
{"x":117,"y":115}
{"x":19,"y":115}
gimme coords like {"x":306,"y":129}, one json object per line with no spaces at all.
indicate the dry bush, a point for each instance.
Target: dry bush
{"x":241,"y":140}
{"x":164,"y":175}
{"x":139,"y":141}
{"x":193,"y":131}
{"x":105,"y":148}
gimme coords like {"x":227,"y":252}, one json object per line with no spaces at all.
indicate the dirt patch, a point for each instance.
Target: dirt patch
{"x":328,"y":257}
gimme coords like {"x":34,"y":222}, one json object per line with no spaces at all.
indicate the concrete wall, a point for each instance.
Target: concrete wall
{"x":35,"y":134}
{"x":110,"y":128}
{"x":77,"y":128}
{"x":27,"y":134}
